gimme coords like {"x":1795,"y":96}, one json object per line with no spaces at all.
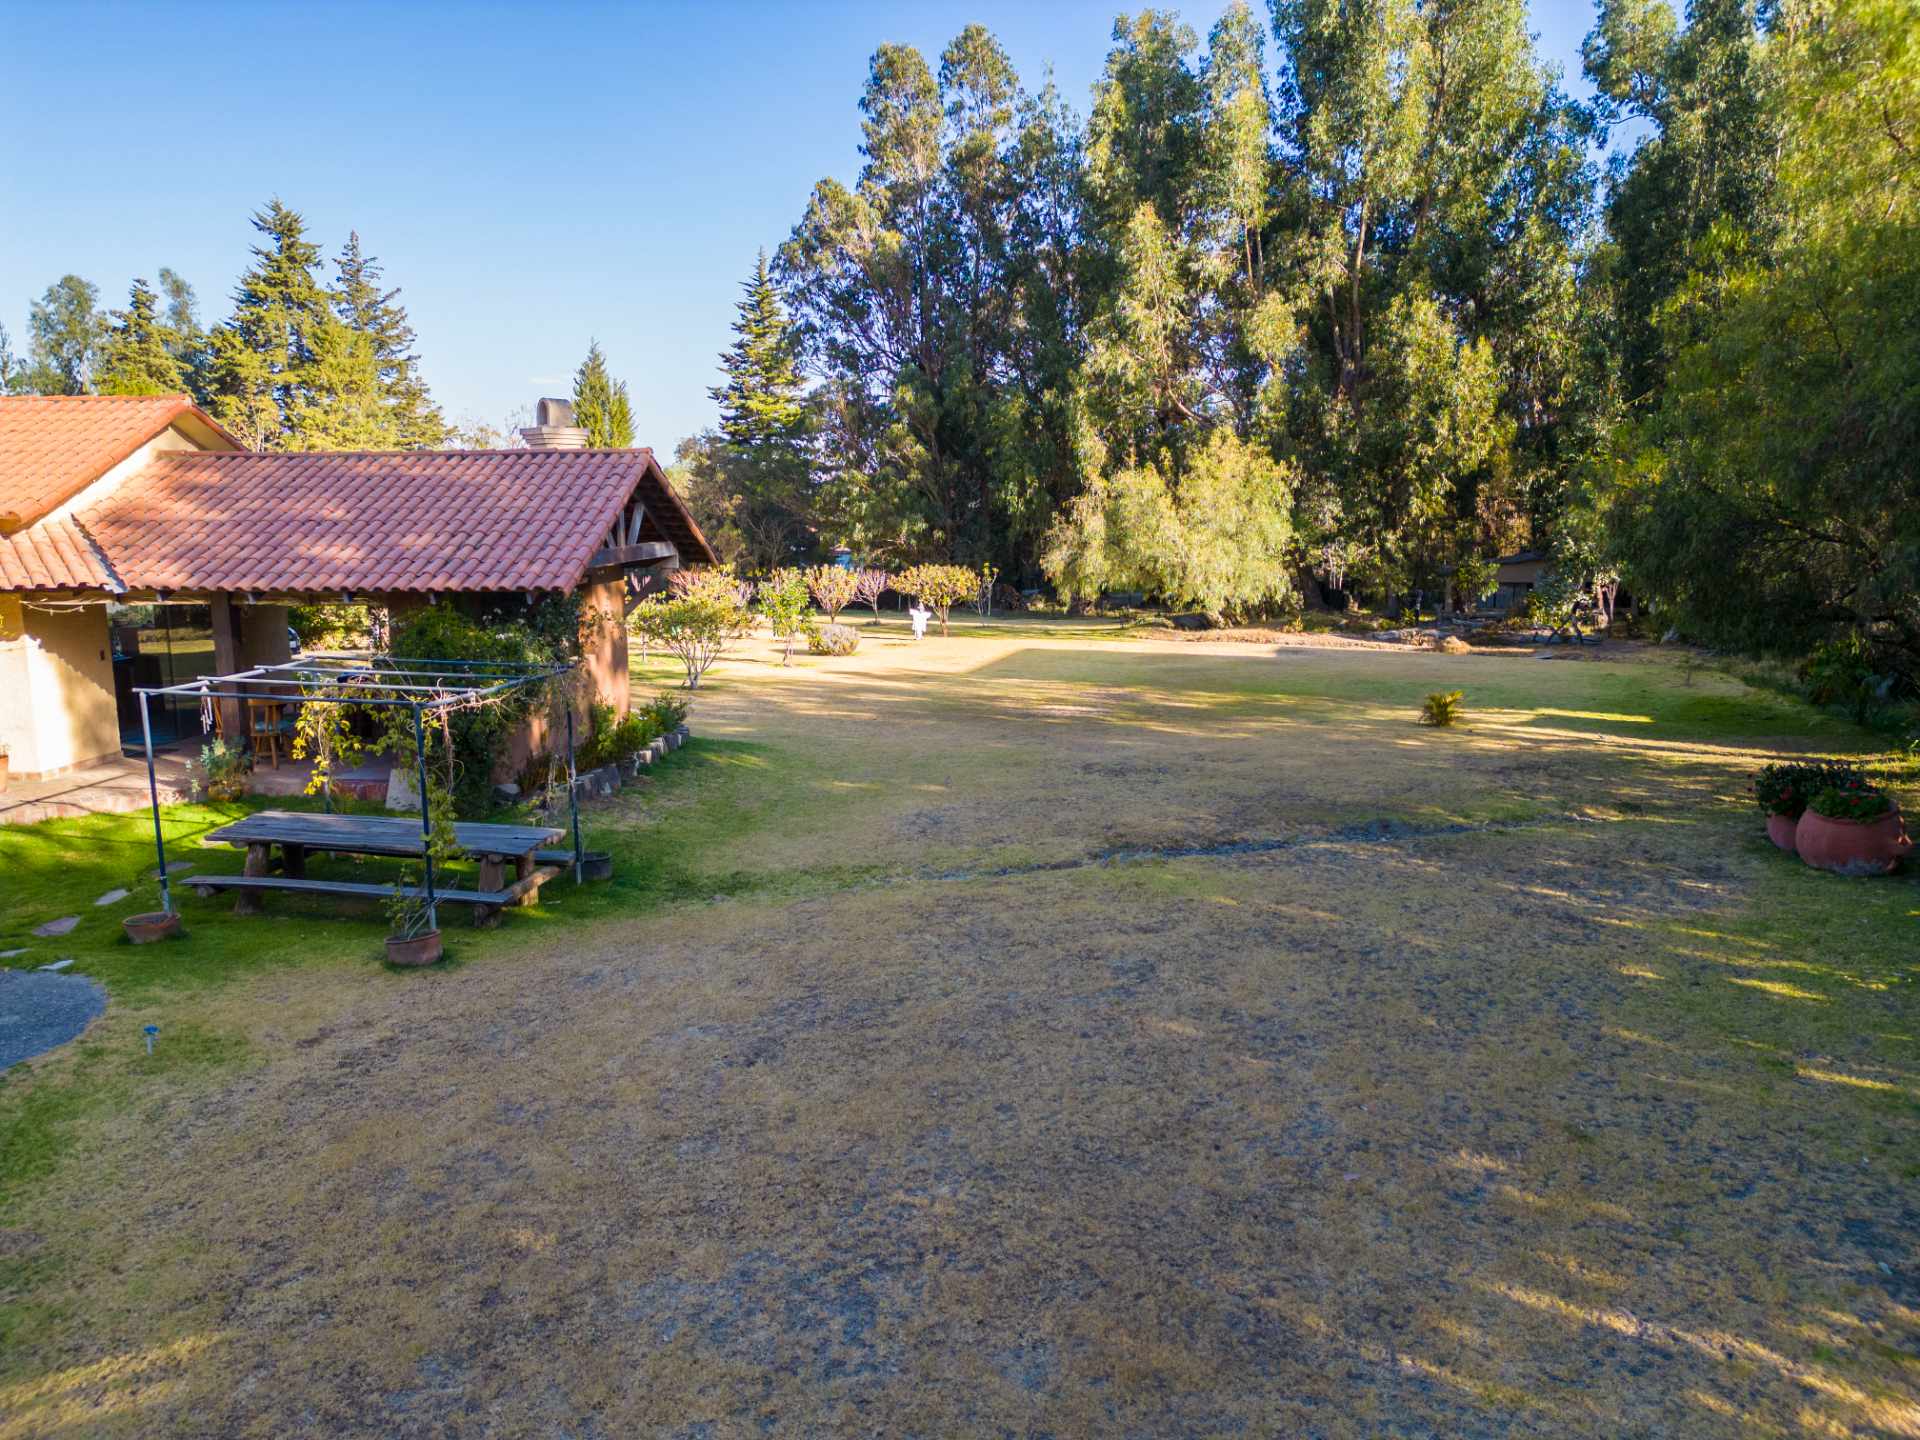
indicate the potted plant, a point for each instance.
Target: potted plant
{"x":1852,"y":828}
{"x":152,"y":926}
{"x":224,"y":765}
{"x":1782,"y":791}
{"x":413,"y":941}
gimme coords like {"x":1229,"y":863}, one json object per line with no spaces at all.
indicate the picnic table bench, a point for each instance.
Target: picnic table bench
{"x":297,"y":834}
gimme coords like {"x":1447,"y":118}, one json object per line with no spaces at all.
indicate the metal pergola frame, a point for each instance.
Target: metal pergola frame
{"x":422,"y":686}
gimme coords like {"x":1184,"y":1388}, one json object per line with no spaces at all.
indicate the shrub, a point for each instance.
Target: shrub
{"x":225,"y":766}
{"x":666,"y":711}
{"x":833,"y":587}
{"x":869,"y":586}
{"x":1442,"y":708}
{"x":1785,"y":788}
{"x":696,"y":627}
{"x":833,"y":640}
{"x":332,"y":626}
{"x":938,"y":587}
{"x":783,"y":600}
{"x":1858,"y":801}
{"x":1841,"y":672}
{"x":552,"y":631}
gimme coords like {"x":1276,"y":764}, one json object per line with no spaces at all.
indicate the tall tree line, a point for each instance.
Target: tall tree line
{"x":1303,"y":298}
{"x":1353,"y":294}
{"x":307,"y":359}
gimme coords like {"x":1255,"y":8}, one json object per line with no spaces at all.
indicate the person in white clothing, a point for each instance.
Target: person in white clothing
{"x":920,"y":616}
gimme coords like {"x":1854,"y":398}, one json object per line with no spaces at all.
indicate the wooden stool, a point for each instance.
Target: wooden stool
{"x":263,"y":728}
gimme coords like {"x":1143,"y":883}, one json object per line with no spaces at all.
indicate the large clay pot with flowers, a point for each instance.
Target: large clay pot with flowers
{"x":1852,"y":830}
{"x":1782,"y":791}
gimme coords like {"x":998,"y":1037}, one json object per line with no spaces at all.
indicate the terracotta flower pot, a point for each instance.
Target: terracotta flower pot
{"x":1852,"y":847}
{"x":422,"y":949}
{"x":154,"y":925}
{"x":1780,"y":830}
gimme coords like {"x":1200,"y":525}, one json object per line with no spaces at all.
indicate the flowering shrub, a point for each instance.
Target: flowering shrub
{"x":1785,"y":788}
{"x":869,"y":586}
{"x":833,"y":640}
{"x":938,"y":587}
{"x":1854,"y":800}
{"x":696,"y":627}
{"x":833,"y":587}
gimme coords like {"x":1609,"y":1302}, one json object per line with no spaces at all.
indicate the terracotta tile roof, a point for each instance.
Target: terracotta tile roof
{"x":53,"y":555}
{"x":51,"y":446}
{"x":423,"y":520}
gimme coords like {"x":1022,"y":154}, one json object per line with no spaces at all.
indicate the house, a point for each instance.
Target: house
{"x":1516,"y":577}
{"x":141,"y":545}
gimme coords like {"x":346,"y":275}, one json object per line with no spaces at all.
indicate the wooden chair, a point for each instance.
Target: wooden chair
{"x":264,"y":729}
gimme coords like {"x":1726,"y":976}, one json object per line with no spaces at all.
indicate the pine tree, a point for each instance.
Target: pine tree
{"x":763,"y":403}
{"x":341,"y":404}
{"x":764,"y":424}
{"x":138,"y":354}
{"x":412,"y":420}
{"x":600,"y":403}
{"x":262,"y":355}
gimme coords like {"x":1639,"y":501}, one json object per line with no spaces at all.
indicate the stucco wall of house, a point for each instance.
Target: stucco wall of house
{"x":56,"y":688}
{"x":606,"y":682}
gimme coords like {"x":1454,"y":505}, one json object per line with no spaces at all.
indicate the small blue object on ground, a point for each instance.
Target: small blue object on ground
{"x":39,"y":1011}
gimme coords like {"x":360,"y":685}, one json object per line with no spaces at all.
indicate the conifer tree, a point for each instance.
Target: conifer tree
{"x":262,"y":355}
{"x":764,"y":424}
{"x":411,"y":419}
{"x":763,"y":403}
{"x":600,"y":403}
{"x":138,"y":354}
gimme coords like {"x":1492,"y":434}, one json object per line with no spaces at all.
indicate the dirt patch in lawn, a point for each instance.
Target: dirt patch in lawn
{"x":1517,"y":1087}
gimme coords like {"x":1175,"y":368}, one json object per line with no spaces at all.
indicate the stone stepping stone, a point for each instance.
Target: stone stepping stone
{"x":112,"y":897}
{"x":64,"y":925}
{"x":9,"y":954}
{"x":59,"y":964}
{"x":174,"y":867}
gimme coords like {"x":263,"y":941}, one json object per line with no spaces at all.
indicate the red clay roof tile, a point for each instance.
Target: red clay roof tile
{"x":53,"y":555}
{"x":370,"y":521}
{"x":52,"y":446}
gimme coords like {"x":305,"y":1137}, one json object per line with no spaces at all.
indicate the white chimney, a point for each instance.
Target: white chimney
{"x":553,"y":428}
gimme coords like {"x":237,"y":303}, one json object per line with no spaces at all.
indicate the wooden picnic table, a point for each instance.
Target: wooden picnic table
{"x":297,"y":833}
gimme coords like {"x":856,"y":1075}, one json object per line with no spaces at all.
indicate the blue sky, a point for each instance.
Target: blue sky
{"x":531,"y":176}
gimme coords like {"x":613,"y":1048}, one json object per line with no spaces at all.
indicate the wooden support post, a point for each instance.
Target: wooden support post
{"x":226,"y":661}
{"x":259,"y":859}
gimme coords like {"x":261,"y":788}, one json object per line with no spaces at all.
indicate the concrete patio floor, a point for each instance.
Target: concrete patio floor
{"x":110,"y":787}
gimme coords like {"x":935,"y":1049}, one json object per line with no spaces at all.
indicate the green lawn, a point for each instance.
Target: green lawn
{"x":1023,"y":1031}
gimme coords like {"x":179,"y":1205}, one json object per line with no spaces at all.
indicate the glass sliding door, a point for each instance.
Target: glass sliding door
{"x":156,"y":645}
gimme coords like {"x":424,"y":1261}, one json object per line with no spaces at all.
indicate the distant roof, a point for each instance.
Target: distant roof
{"x":372,"y":521}
{"x":53,"y":446}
